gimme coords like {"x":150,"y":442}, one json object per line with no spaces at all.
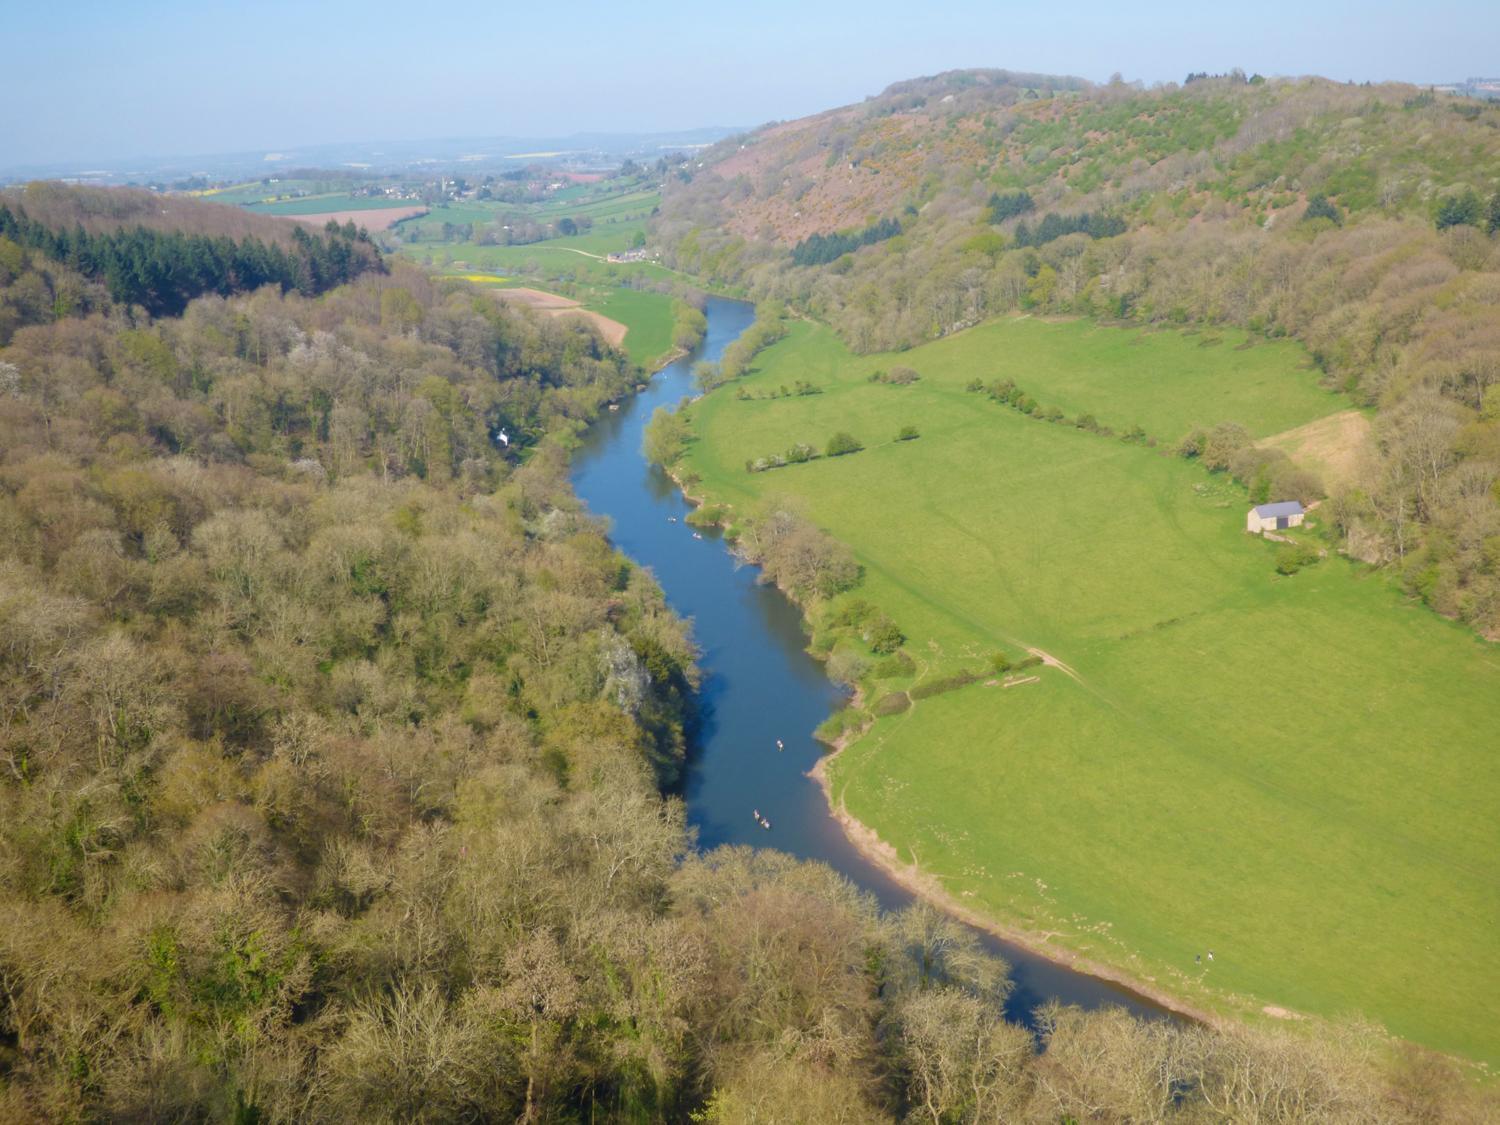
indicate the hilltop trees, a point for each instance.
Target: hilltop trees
{"x":162,"y":270}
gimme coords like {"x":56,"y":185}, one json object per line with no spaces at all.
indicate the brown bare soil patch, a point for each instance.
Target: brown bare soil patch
{"x":1333,"y":447}
{"x":554,"y":304}
{"x":374,"y":218}
{"x":535,"y":299}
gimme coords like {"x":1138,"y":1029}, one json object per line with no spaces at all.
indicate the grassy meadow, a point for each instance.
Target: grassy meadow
{"x":1296,"y":773}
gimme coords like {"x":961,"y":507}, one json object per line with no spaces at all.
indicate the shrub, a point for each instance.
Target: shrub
{"x":1292,"y":557}
{"x":893,"y":667}
{"x":907,"y":433}
{"x":846,"y":666}
{"x":851,"y":614}
{"x":838,"y":724}
{"x":841,"y":443}
{"x":892,"y":703}
{"x":999,"y":663}
{"x":902,"y":376}
{"x":885,"y":637}
{"x":942,"y":684}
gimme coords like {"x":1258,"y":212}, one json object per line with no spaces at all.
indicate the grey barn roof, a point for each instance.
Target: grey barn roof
{"x":1283,"y":508}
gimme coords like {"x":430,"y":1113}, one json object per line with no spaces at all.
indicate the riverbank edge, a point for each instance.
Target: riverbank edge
{"x":926,"y":886}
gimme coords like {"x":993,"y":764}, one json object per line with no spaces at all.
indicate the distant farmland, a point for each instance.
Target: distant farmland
{"x":329,"y":204}
{"x":371,"y":219}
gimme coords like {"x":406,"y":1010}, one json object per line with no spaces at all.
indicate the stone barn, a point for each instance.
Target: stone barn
{"x":1275,"y":517}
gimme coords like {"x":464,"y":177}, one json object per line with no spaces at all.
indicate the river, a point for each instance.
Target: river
{"x":759,"y":682}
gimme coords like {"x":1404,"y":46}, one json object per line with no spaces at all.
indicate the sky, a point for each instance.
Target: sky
{"x":111,"y":81}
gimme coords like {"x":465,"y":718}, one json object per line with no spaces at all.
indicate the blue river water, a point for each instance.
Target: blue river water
{"x":760,"y":684}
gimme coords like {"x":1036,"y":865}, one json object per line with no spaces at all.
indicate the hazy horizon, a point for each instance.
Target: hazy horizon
{"x":172,"y":79}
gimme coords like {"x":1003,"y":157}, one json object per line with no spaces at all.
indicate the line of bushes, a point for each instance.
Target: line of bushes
{"x":1228,"y":447}
{"x":800,"y":388}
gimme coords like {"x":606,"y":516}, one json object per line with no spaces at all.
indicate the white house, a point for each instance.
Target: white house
{"x":1275,"y":517}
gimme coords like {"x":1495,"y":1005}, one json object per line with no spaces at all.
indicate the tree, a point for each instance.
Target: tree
{"x":1458,"y":210}
{"x":1008,"y":205}
{"x":1319,"y":207}
{"x":842,"y":443}
{"x":666,"y":437}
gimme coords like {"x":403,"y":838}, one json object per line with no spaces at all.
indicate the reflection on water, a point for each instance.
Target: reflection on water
{"x":760,"y":685}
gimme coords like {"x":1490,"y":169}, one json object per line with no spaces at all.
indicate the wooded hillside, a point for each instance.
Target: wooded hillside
{"x":332,"y":748}
{"x":1361,"y":220}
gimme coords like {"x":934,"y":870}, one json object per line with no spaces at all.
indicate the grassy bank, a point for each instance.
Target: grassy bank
{"x":1294,"y":772}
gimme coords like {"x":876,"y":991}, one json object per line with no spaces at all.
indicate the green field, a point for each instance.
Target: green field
{"x":648,"y":316}
{"x":617,"y":215}
{"x":556,"y":264}
{"x":1297,"y":773}
{"x":329,"y":204}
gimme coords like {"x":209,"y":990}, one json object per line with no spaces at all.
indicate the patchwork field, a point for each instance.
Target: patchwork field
{"x":640,"y":321}
{"x":1296,"y":773}
{"x":334,"y":204}
{"x":377,"y":218}
{"x":551,"y":304}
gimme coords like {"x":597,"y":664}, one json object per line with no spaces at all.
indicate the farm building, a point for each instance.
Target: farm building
{"x":1274,"y":517}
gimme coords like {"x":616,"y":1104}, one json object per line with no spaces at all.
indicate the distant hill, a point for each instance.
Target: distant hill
{"x":99,"y":210}
{"x":156,"y":253}
{"x":953,"y":138}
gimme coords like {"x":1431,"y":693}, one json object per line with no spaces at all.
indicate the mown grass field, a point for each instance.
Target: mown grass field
{"x":648,"y":316}
{"x":1297,"y":773}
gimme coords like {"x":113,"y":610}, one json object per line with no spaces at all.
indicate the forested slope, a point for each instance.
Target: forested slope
{"x":157,"y":253}
{"x":1364,"y":221}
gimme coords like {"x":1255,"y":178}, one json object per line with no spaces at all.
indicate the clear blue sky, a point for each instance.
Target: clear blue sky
{"x":107,"y":81}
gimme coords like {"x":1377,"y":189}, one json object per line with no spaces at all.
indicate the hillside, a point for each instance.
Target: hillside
{"x":55,"y":240}
{"x":103,"y":210}
{"x":1360,"y":220}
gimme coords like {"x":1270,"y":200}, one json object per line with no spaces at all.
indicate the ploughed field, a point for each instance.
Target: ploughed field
{"x":1295,"y":773}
